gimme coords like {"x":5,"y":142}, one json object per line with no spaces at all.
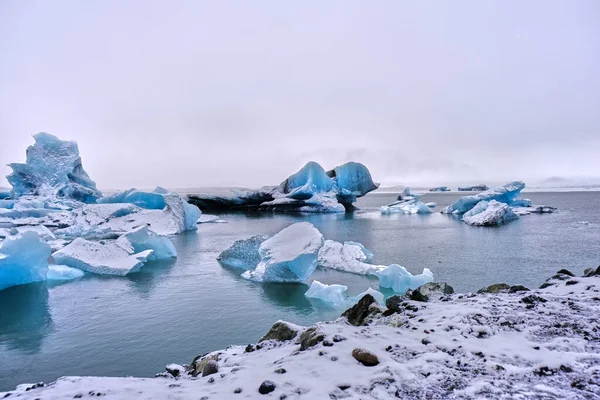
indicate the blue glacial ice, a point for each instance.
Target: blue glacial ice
{"x":353,"y":180}
{"x":489,"y":213}
{"x":440,"y":189}
{"x":336,"y":296}
{"x":407,"y":203}
{"x":476,"y":188}
{"x":52,"y":168}
{"x":310,"y":180}
{"x":63,"y":273}
{"x":398,"y":279}
{"x":23,"y":259}
{"x":348,"y":257}
{"x":289,"y":256}
{"x":142,"y":238}
{"x":243,"y":254}
{"x":4,"y":193}
{"x":504,"y":194}
{"x":150,"y":200}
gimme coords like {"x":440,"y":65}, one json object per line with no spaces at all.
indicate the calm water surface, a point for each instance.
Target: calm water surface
{"x":172,"y":311}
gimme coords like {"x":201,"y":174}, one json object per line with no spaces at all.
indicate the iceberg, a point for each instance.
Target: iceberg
{"x":231,"y":198}
{"x":353,"y":180}
{"x":398,"y":279}
{"x":23,"y":259}
{"x":406,"y":207}
{"x":431,"y":204}
{"x":440,"y":189}
{"x":289,"y":256}
{"x":302,"y":185}
{"x":149,"y":200}
{"x":489,"y":213}
{"x":521,"y":203}
{"x":243,"y":253}
{"x":52,"y":168}
{"x":504,"y":194}
{"x":100,"y":258}
{"x":63,"y":273}
{"x":43,"y":232}
{"x":476,"y":188}
{"x":336,"y":295}
{"x":142,"y":239}
{"x":348,"y":257}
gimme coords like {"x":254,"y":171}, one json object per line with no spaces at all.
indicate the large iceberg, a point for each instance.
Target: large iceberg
{"x":504,"y":194}
{"x":243,"y":253}
{"x":119,"y":257}
{"x":336,"y":295}
{"x":289,"y":256}
{"x":348,"y":257}
{"x":489,"y":213}
{"x":311,"y":189}
{"x":398,"y":279}
{"x":23,"y":259}
{"x":52,"y":168}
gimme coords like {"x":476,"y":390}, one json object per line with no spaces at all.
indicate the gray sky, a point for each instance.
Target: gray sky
{"x":194,"y":93}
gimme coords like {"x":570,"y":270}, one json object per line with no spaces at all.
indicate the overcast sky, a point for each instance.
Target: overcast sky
{"x":194,"y":93}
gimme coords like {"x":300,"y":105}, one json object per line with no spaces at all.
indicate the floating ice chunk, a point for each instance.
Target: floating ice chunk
{"x":106,"y":258}
{"x":63,"y":273}
{"x":305,"y":183}
{"x":440,"y":189}
{"x":289,"y":256}
{"x":318,"y":203}
{"x":334,"y":295}
{"x":210,"y":219}
{"x":52,"y":168}
{"x":431,"y":205}
{"x":227,"y":198}
{"x":348,"y":257}
{"x":406,"y":207}
{"x":521,"y":203}
{"x":400,"y":280}
{"x":142,"y":239}
{"x":377,"y":295}
{"x":505,"y":194}
{"x":353,"y":180}
{"x":150,"y":200}
{"x":243,"y":253}
{"x":489,"y":213}
{"x":23,"y":259}
{"x":43,"y":232}
{"x":476,"y":188}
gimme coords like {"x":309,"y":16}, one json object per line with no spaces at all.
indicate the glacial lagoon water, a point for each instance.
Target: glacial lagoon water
{"x":172,"y":311}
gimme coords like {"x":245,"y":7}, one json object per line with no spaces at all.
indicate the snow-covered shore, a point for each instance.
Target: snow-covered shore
{"x":515,"y":343}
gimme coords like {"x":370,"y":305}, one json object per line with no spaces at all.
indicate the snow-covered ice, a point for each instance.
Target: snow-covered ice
{"x":289,"y":256}
{"x":23,"y":259}
{"x":504,"y":194}
{"x":348,"y":257}
{"x":52,"y":168}
{"x":336,"y":295}
{"x":489,"y":213}
{"x":142,"y":238}
{"x":43,"y":232}
{"x":398,"y":279}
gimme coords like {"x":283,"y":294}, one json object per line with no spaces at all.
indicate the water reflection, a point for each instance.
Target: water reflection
{"x":150,"y":275}
{"x":25,"y":318}
{"x":288,"y":295}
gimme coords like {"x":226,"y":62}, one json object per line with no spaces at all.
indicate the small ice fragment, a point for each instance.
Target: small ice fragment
{"x":398,"y":279}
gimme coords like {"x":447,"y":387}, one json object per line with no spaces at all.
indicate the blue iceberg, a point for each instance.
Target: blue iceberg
{"x":336,"y":296}
{"x":142,"y":239}
{"x":504,"y":194}
{"x":243,"y":254}
{"x":398,"y":279}
{"x":149,"y":200}
{"x":289,"y":256}
{"x":311,"y":179}
{"x":52,"y":168}
{"x":440,"y":189}
{"x":23,"y":259}
{"x":353,"y":180}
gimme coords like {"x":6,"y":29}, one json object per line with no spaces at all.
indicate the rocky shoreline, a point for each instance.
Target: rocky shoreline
{"x":502,"y":342}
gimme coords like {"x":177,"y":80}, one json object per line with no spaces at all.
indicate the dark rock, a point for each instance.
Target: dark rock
{"x":281,"y":332}
{"x":338,"y":338}
{"x":334,"y":358}
{"x":198,"y":364}
{"x":211,"y":380}
{"x":211,"y":367}
{"x":280,"y":371}
{"x":249,"y":349}
{"x":393,"y":303}
{"x":495,"y":288}
{"x":311,"y":337}
{"x":532,"y":299}
{"x":547,"y":284}
{"x":344,"y":387}
{"x":266,"y":387}
{"x":518,"y":288}
{"x":327,"y":343}
{"x":357,"y":314}
{"x":425,"y":341}
{"x":571,"y":282}
{"x":566,"y":368}
{"x":565,"y":272}
{"x":283,"y":397}
{"x":238,"y":390}
{"x":365,"y":357}
{"x":591,"y":272}
{"x":431,"y":290}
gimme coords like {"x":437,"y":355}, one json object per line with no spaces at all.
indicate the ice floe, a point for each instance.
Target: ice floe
{"x":336,"y":295}
{"x":398,"y":279}
{"x":348,"y":257}
{"x":23,"y":259}
{"x":489,"y":213}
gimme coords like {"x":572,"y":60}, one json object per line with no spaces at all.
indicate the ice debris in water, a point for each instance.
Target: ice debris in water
{"x":23,"y":259}
{"x":120,"y":257}
{"x":243,"y":253}
{"x":336,"y":295}
{"x":398,"y":279}
{"x":504,"y":194}
{"x":63,"y":273}
{"x":52,"y":168}
{"x":289,"y":256}
{"x":408,"y":203}
{"x":489,"y":213}
{"x":348,"y":257}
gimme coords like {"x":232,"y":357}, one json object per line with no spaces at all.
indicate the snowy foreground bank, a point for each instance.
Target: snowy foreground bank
{"x":506,"y":342}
